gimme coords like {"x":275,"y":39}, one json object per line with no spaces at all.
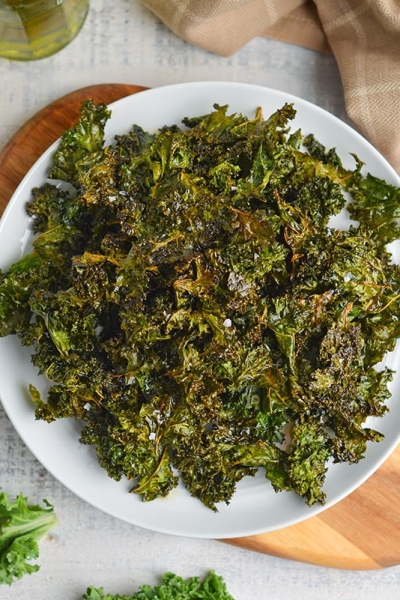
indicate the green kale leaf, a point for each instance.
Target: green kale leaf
{"x":82,"y":145}
{"x":172,"y":587}
{"x":21,"y":527}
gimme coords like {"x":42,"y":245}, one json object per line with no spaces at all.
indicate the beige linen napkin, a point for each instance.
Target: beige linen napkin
{"x":364,"y":36}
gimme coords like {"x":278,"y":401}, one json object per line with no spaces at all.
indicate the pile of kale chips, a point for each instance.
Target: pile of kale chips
{"x":192,"y":306}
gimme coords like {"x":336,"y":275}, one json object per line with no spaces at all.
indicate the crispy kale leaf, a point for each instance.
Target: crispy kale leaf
{"x":172,"y":587}
{"x":21,"y":527}
{"x":82,"y":145}
{"x":193,"y":306}
{"x":376,"y":204}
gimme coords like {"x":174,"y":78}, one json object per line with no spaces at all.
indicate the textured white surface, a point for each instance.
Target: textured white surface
{"x":121,"y":42}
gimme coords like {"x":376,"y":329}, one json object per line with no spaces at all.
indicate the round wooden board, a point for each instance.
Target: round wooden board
{"x":362,"y":531}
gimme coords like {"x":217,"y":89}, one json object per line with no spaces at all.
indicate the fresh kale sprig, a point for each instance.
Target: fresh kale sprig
{"x":172,"y":587}
{"x":21,"y":527}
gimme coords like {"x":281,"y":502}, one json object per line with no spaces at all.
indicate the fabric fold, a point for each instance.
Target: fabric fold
{"x":365,"y":39}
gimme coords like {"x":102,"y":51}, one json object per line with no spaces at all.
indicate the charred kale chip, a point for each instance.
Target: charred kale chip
{"x":192,"y":304}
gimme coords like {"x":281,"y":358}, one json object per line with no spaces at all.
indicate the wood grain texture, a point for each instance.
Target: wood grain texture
{"x":362,"y":532}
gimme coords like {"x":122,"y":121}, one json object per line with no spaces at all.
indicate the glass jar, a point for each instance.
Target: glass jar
{"x":32,"y":29}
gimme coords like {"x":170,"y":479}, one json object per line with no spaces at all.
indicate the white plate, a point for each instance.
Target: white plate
{"x":255,"y":507}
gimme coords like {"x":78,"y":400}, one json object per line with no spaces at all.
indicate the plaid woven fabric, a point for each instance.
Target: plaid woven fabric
{"x":364,"y":36}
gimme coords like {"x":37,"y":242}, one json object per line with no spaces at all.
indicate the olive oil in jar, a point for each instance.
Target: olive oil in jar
{"x":33,"y":29}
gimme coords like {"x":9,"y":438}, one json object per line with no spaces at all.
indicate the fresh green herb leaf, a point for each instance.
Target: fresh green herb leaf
{"x":172,"y":587}
{"x":21,"y":527}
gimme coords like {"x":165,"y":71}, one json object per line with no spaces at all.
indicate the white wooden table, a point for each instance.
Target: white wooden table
{"x":122,"y":42}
